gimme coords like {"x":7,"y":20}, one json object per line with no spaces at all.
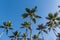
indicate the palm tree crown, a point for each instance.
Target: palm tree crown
{"x":6,"y":26}
{"x":31,"y":14}
{"x":26,"y":24}
{"x":15,"y":35}
{"x":53,"y":21}
{"x":41,"y":28}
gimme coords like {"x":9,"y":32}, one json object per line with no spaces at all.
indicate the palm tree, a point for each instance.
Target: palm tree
{"x":7,"y":26}
{"x":26,"y":25}
{"x":32,"y":16}
{"x":41,"y":29}
{"x":35,"y":37}
{"x":53,"y":21}
{"x":24,"y":36}
{"x":15,"y":35}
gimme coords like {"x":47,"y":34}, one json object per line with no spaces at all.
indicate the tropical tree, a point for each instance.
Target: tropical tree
{"x":35,"y":37}
{"x":15,"y":35}
{"x":7,"y":26}
{"x":41,"y":29}
{"x":26,"y":25}
{"x":53,"y":22}
{"x":32,"y":16}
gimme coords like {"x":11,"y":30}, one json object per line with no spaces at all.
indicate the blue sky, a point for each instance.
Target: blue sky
{"x":13,"y":9}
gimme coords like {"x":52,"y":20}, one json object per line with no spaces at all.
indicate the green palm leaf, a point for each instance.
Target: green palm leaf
{"x":34,"y":20}
{"x":56,"y":14}
{"x":50,"y":15}
{"x":48,"y":18}
{"x":28,"y":10}
{"x":34,"y":9}
{"x":59,"y":6}
{"x":11,"y":36}
{"x":58,"y":18}
{"x":36,"y":16}
{"x":45,"y":31}
{"x":24,"y":15}
{"x":11,"y":28}
{"x":1,"y":26}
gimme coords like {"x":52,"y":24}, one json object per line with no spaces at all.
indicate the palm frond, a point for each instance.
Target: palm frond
{"x":15,"y":33}
{"x":56,"y":14}
{"x":1,"y":26}
{"x":36,"y":16}
{"x":4,"y":23}
{"x":24,"y":15}
{"x":45,"y":31}
{"x":48,"y":18}
{"x":11,"y":36}
{"x":21,"y":27}
{"x":34,"y":20}
{"x":34,"y":9}
{"x":11,"y":28}
{"x":50,"y":15}
{"x":28,"y":10}
{"x":49,"y":29}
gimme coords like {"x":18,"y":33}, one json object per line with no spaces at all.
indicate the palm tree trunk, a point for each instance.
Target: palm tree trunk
{"x":24,"y":38}
{"x":30,"y":30}
{"x":30,"y":34}
{"x":38,"y":35}
{"x":26,"y":33}
{"x":42,"y":36}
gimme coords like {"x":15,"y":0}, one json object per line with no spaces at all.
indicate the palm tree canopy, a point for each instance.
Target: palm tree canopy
{"x":41,"y":28}
{"x":31,"y":14}
{"x":53,"y":20}
{"x":15,"y":34}
{"x":25,"y":24}
{"x":7,"y":25}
